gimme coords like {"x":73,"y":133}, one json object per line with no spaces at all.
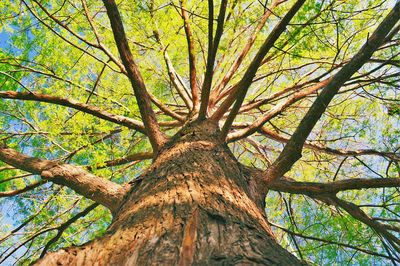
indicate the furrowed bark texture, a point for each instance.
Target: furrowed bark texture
{"x":101,"y":190}
{"x":193,"y":206}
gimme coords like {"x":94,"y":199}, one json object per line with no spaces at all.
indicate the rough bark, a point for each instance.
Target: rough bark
{"x":100,"y":190}
{"x":193,"y":206}
{"x":156,"y":136}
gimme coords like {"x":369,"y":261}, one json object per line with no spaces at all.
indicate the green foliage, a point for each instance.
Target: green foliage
{"x":38,"y":55}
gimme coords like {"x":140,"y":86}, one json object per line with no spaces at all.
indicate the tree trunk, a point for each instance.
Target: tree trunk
{"x":194,"y":205}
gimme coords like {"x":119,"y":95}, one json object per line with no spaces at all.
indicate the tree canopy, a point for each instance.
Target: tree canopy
{"x":305,"y":91}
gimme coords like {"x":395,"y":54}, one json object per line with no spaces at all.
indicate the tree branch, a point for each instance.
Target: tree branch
{"x":30,"y":218}
{"x":99,"y":45}
{"x":65,"y":225}
{"x":124,"y":160}
{"x":22,"y":190}
{"x":236,"y":64}
{"x":292,"y":151}
{"x":88,"y":185}
{"x":192,"y":56}
{"x":341,"y":152}
{"x":174,"y":77}
{"x":156,"y":136}
{"x":357,"y":213}
{"x":177,"y":81}
{"x":315,"y":188}
{"x":244,"y":84}
{"x":212,"y":52}
{"x":118,"y":119}
{"x":326,"y":192}
{"x":274,"y":111}
{"x":165,"y":109}
{"x":332,"y":242}
{"x":64,"y":38}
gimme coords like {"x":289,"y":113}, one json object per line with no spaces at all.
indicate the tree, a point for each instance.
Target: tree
{"x":199,"y":132}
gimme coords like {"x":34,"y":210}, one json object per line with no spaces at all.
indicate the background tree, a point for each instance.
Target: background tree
{"x":116,"y":117}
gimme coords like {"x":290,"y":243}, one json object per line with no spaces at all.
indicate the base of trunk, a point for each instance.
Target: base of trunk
{"x":193,"y":206}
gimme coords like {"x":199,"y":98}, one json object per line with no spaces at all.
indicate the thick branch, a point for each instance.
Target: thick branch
{"x":244,"y":84}
{"x":98,"y":189}
{"x":157,"y":138}
{"x":118,"y":119}
{"x":212,"y":52}
{"x":292,"y":151}
{"x":314,"y":188}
